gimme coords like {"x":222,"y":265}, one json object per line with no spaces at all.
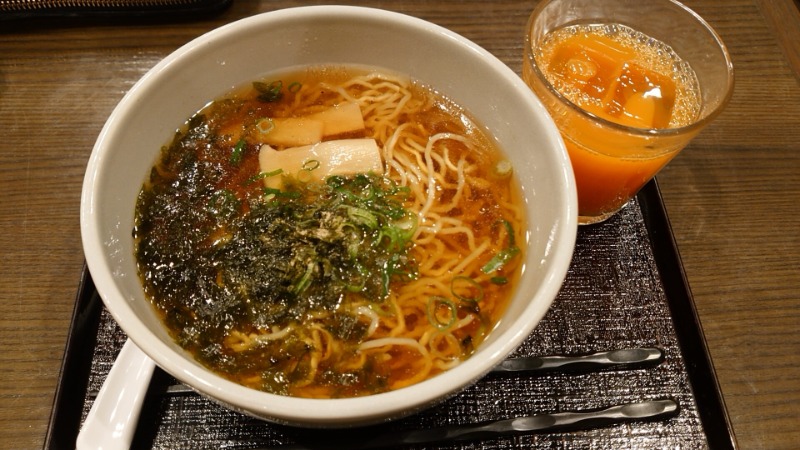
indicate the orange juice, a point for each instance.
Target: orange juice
{"x":622,"y":76}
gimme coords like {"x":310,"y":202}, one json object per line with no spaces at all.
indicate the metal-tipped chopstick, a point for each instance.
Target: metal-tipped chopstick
{"x":661,"y":409}
{"x":622,"y":359}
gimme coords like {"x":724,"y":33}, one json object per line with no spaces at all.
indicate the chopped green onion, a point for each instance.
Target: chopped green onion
{"x":303,"y":176}
{"x":262,"y":175}
{"x":510,"y":232}
{"x":503,"y":168}
{"x":279,"y":193}
{"x":407,"y":225}
{"x":466,"y":289}
{"x":223,"y":203}
{"x":335,"y":181}
{"x":394,"y":266}
{"x":499,"y":280}
{"x":265,"y":125}
{"x":399,"y":232}
{"x":362,"y":216}
{"x":441,"y":312}
{"x":236,"y":154}
{"x":503,"y":256}
{"x":360,"y":278}
{"x":269,"y":92}
{"x":500,"y":259}
{"x":269,"y":190}
{"x":294,"y":87}
{"x":311,"y":164}
{"x":305,"y":280}
{"x":384,"y":309}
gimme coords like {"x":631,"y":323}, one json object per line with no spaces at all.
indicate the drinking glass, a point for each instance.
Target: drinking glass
{"x":613,"y":160}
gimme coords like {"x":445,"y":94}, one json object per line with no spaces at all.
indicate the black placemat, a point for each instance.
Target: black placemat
{"x":625,"y":288}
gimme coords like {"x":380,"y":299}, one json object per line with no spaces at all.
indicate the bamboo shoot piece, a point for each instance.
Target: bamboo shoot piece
{"x":339,"y":120}
{"x":291,"y":132}
{"x":321,"y":160}
{"x":342,"y":119}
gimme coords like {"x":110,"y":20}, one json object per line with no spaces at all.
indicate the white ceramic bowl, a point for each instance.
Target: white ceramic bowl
{"x":212,"y":64}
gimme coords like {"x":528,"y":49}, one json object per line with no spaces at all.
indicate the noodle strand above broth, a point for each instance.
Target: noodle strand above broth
{"x":298,"y":247}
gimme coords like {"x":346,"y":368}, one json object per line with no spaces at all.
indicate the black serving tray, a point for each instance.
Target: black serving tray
{"x":625,"y":287}
{"x":59,"y":10}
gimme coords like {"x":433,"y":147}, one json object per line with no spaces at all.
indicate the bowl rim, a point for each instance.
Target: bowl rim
{"x":322,"y":412}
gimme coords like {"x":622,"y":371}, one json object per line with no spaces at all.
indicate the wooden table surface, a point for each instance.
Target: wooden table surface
{"x":733,"y":196}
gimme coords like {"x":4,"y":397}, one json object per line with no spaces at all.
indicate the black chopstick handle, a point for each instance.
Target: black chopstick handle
{"x":622,"y":359}
{"x":541,"y":423}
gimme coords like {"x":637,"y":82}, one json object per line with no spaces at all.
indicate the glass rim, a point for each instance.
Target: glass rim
{"x":698,"y":124}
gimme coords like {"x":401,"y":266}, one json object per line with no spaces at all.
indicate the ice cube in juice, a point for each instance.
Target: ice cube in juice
{"x":640,"y":98}
{"x":589,"y":63}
